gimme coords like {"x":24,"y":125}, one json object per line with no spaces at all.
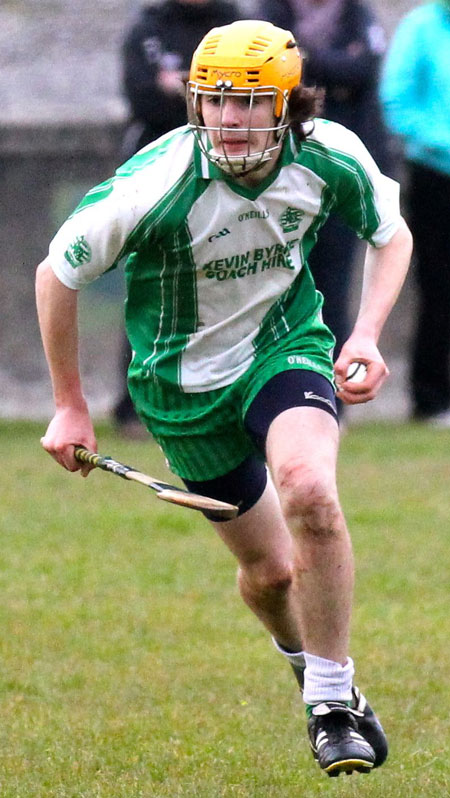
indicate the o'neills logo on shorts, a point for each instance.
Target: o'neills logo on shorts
{"x":300,"y":360}
{"x":318,"y":398}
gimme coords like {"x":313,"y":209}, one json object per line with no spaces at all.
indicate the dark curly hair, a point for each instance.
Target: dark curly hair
{"x":305,"y":103}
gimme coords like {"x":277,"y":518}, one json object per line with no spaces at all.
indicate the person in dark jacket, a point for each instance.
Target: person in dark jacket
{"x":343,"y":43}
{"x":157,"y":53}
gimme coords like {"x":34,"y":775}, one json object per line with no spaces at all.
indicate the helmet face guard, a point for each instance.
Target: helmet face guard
{"x":248,"y":161}
{"x":248,"y":58}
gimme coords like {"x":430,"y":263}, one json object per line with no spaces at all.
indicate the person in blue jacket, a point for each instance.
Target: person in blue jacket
{"x":415,"y":91}
{"x":343,"y":43}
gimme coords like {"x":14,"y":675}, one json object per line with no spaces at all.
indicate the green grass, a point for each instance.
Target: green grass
{"x":129,"y":666}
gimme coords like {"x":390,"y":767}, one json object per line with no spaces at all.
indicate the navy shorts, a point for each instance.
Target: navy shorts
{"x":244,"y":485}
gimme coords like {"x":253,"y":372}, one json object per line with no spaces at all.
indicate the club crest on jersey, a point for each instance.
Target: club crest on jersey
{"x":78,"y":252}
{"x":290,"y":219}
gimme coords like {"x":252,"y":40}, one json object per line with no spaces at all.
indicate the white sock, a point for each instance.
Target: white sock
{"x":297,"y":659}
{"x":326,"y":680}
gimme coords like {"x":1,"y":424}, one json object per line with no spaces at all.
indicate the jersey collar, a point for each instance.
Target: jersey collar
{"x":208,"y":171}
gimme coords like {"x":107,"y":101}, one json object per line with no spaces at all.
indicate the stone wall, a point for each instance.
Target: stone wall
{"x":61,"y":120}
{"x":59,"y":59}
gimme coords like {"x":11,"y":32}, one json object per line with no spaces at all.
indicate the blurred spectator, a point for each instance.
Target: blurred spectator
{"x":157,"y":53}
{"x":343,"y":44}
{"x":415,"y":90}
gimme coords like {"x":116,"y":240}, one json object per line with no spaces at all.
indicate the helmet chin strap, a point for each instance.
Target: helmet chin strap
{"x":240,"y":165}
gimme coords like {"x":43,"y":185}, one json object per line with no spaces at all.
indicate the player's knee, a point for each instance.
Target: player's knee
{"x":308,"y":496}
{"x":266,"y":577}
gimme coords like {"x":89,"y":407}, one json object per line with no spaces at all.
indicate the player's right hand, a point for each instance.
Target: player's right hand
{"x":70,"y":427}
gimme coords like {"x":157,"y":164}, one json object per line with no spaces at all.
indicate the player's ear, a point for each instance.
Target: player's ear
{"x":193,"y":105}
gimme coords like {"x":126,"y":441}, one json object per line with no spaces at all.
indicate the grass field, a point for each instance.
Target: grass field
{"x":130,"y":667}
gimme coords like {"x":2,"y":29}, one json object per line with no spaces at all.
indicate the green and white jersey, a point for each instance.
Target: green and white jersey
{"x":217,"y":273}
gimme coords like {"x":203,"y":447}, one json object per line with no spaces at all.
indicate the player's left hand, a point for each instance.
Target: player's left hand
{"x":353,"y":393}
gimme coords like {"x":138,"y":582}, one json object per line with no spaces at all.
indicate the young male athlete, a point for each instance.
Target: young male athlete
{"x":232,"y":365}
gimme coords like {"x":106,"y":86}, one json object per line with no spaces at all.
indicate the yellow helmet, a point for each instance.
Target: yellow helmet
{"x":248,"y":54}
{"x":248,"y":57}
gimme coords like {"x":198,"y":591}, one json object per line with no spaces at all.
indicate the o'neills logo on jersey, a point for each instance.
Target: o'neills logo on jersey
{"x":78,"y":252}
{"x":277,"y":256}
{"x":243,"y":217}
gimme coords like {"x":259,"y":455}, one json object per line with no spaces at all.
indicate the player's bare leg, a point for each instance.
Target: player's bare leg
{"x":302,"y":447}
{"x":262,"y":543}
{"x":296,"y":574}
{"x":296,"y":569}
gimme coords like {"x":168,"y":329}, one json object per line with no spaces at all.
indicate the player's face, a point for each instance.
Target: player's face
{"x":237,"y":118}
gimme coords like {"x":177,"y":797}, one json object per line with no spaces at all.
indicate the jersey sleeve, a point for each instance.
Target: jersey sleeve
{"x":94,"y":237}
{"x":367,"y":200}
{"x":114,"y":218}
